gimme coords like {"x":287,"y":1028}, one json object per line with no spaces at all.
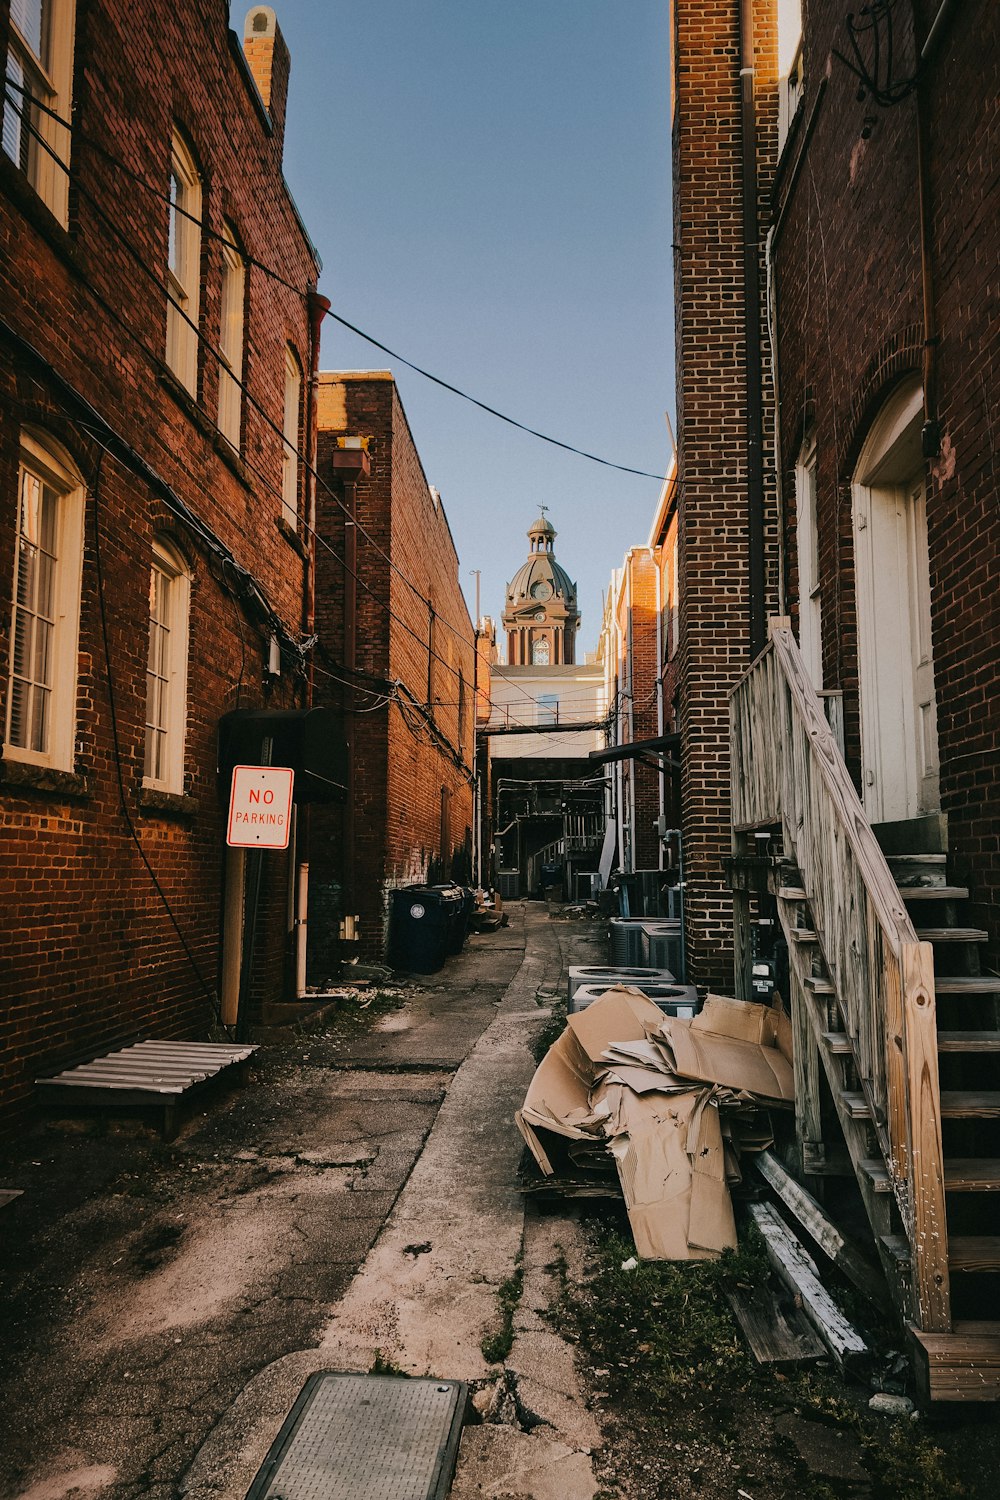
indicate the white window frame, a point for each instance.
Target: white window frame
{"x":48,"y":73}
{"x":169,"y":670}
{"x":183,"y":265}
{"x":231,"y":339}
{"x":289,"y":451}
{"x":807,"y":547}
{"x":790,"y":80}
{"x":47,"y":463}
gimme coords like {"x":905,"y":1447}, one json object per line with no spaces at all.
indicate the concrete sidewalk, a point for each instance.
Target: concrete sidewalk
{"x":426,"y":1295}
{"x":165,"y":1303}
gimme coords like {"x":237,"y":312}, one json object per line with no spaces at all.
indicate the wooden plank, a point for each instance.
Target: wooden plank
{"x":112,"y":1087}
{"x":963,"y":1104}
{"x":791,"y":893}
{"x":963,"y":1365}
{"x":972,"y":1174}
{"x":934,"y":892}
{"x":972,"y":1253}
{"x":777,"y":1335}
{"x":7,"y":1195}
{"x":926,"y":1105}
{"x":968,"y":1041}
{"x":952,"y":935}
{"x":838,"y":1042}
{"x":817,"y":986}
{"x":800,"y":1275}
{"x":821,"y":1229}
{"x":973,"y":984}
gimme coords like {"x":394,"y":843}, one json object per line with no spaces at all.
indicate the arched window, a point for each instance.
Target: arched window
{"x":166,"y":670}
{"x":540,"y":652}
{"x":184,"y":265}
{"x":231,"y":341}
{"x":45,"y":627}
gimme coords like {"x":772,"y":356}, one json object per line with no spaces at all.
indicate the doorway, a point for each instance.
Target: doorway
{"x":899,"y":741}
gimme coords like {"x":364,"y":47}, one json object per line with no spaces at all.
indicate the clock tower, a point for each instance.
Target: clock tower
{"x":540,"y":614}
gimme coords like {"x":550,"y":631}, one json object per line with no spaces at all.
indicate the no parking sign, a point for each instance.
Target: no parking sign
{"x":260,"y":807}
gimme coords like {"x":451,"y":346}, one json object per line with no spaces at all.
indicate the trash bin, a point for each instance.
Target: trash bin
{"x":422,"y":926}
{"x":458,"y":902}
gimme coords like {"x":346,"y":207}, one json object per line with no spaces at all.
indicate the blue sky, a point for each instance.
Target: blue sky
{"x":488,"y":186}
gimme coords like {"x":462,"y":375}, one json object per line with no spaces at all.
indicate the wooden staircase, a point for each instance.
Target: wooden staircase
{"x":889,"y":1004}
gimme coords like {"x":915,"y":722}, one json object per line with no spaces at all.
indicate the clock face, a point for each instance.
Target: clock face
{"x":541,"y":590}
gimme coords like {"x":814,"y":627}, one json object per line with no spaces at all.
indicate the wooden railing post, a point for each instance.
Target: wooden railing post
{"x":929,"y":1235}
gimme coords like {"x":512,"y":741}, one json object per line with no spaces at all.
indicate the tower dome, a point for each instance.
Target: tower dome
{"x":540,"y":614}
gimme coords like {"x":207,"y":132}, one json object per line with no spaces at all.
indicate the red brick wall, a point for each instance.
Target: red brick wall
{"x":849,"y":288}
{"x":712,"y":479}
{"x":400,"y":766}
{"x":87,"y":950}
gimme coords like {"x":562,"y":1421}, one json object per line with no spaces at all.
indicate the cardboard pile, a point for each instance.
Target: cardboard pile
{"x":676,"y":1103}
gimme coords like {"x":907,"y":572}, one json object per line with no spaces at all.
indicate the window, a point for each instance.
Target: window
{"x":290,"y":459}
{"x":807,"y":542}
{"x":789,"y":64}
{"x":40,"y":72}
{"x":166,"y":671}
{"x":41,"y":698}
{"x":231,"y":340}
{"x":183,"y":266}
{"x":540,"y":652}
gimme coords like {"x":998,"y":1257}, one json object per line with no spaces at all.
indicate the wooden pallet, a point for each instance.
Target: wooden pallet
{"x":147,"y":1074}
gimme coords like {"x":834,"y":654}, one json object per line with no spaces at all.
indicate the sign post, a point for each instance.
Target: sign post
{"x":260,"y":817}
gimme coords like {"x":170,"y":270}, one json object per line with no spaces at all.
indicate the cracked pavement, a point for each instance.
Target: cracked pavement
{"x":164,"y":1303}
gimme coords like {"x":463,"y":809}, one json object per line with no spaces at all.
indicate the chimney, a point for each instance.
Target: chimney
{"x":270,"y":64}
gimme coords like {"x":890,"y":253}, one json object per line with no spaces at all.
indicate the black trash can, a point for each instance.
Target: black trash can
{"x":457,"y":903}
{"x":422,"y":927}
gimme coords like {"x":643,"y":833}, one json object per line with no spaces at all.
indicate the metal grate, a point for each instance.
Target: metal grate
{"x":365,"y":1437}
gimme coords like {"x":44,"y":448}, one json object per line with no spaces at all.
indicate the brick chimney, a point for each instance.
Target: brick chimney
{"x":270,"y":64}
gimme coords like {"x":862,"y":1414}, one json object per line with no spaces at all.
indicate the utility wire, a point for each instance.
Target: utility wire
{"x":344,"y":322}
{"x":203,"y":339}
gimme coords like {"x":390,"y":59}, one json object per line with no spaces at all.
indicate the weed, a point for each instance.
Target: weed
{"x":496,"y":1346}
{"x":550,"y":1032}
{"x":904,"y":1461}
{"x":381,"y":1365}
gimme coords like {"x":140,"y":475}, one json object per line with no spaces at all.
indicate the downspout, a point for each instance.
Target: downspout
{"x":318,"y":307}
{"x":771,"y":291}
{"x":751,"y":311}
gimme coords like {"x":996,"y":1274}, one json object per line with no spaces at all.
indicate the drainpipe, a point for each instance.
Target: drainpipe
{"x":318,"y":307}
{"x":349,"y":465}
{"x":751,"y":307}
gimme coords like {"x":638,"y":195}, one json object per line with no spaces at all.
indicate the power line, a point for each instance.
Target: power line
{"x":203,"y":339}
{"x":344,"y":322}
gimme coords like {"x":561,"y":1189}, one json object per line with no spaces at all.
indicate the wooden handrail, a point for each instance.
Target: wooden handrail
{"x":788,"y":769}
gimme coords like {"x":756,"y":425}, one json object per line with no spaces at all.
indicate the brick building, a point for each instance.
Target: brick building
{"x":153,"y":542}
{"x":724,"y":150}
{"x":886,"y":261}
{"x":397,"y":657}
{"x":631,"y":652}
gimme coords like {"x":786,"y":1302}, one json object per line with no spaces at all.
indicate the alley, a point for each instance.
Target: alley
{"x":166,"y":1302}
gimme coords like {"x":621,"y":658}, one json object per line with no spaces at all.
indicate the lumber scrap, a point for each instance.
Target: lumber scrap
{"x":821,"y":1229}
{"x":777,"y":1334}
{"x":799,"y":1273}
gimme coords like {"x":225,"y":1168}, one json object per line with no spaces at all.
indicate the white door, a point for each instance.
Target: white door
{"x":898,"y":709}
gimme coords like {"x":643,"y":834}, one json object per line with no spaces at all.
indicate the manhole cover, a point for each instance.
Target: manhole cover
{"x":365,"y":1437}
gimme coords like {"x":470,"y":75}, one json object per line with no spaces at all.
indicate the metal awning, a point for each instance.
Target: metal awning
{"x":643,"y":750}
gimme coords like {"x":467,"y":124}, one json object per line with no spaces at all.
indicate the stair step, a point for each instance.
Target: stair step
{"x":838,"y":1042}
{"x":791,"y":893}
{"x":971,"y":1174}
{"x":934,"y":892}
{"x":915,"y":859}
{"x":952,"y":935}
{"x":817,"y":986}
{"x":969,"y":1041}
{"x":802,"y":935}
{"x":959,"y":984}
{"x":963,"y":1365}
{"x":956,"y":1104}
{"x":973,"y":1252}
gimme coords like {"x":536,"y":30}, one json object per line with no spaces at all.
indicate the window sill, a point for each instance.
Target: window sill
{"x":188,"y":405}
{"x":171,"y":804}
{"x":45,"y":779}
{"x":15,"y":186}
{"x":232,"y":459}
{"x":292,"y":537}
